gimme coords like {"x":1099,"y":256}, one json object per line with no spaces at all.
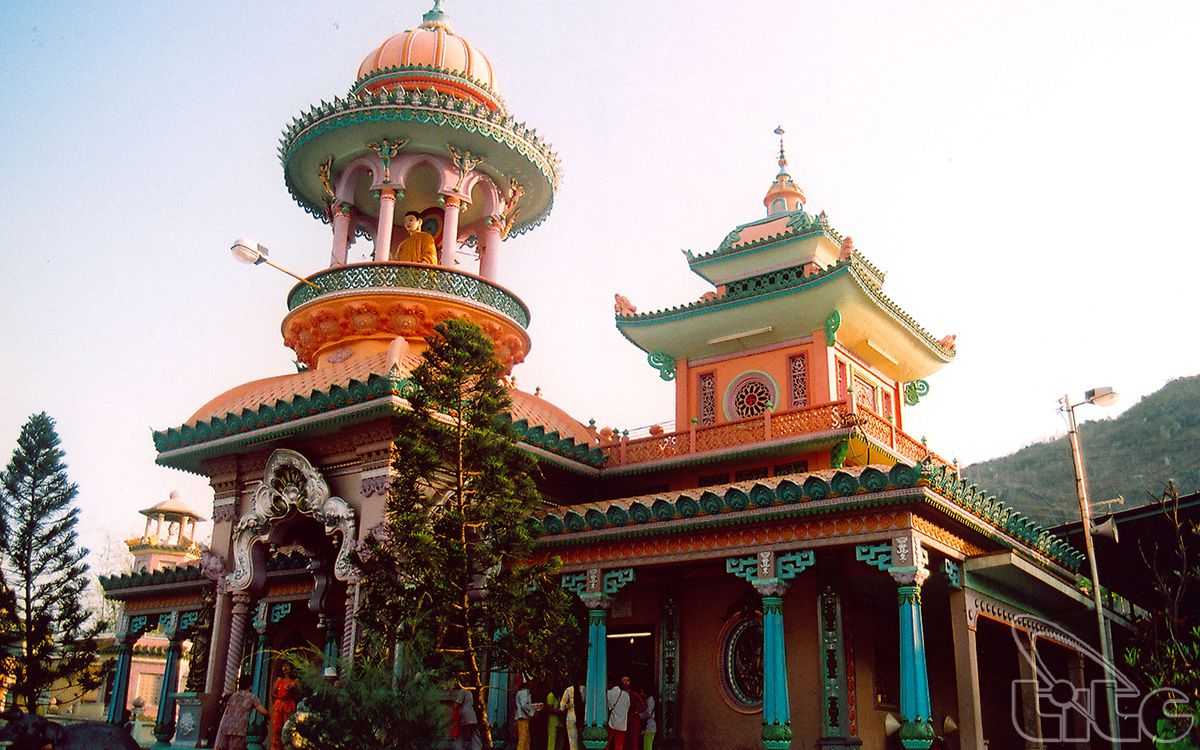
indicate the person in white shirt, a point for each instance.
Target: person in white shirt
{"x":469,"y":737}
{"x":572,"y":707}
{"x":524,"y":714}
{"x":618,"y":714}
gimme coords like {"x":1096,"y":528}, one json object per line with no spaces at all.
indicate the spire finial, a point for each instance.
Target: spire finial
{"x":782,"y":158}
{"x":435,"y":16}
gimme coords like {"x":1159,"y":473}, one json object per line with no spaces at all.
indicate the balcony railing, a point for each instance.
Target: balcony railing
{"x":807,"y":420}
{"x":377,"y":276}
{"x":770,"y":426}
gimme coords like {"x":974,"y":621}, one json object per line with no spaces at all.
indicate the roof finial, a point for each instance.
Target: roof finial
{"x":782,"y":158}
{"x":435,"y":16}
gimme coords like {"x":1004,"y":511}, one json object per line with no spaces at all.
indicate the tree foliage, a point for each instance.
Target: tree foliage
{"x":452,"y":566}
{"x":46,"y":570}
{"x":366,"y":709}
{"x":1166,"y":648}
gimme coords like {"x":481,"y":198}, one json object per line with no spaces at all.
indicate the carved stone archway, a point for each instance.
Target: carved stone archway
{"x":291,"y":484}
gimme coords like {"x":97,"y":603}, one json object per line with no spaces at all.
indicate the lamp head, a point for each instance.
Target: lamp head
{"x":248,"y":251}
{"x":1103,"y":396}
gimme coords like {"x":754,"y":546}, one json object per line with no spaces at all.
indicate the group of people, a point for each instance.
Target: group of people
{"x":629,"y":718}
{"x":235,"y":717}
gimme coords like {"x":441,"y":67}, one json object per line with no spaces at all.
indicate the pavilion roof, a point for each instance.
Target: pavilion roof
{"x":802,"y":494}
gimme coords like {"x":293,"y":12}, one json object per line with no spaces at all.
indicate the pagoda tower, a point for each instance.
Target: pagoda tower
{"x":169,"y":539}
{"x":796,"y":333}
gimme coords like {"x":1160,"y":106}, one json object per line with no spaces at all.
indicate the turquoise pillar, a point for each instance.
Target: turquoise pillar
{"x":777,"y":712}
{"x":597,"y":589}
{"x":497,"y":707}
{"x":134,"y":627}
{"x":331,"y":650}
{"x":120,"y":685}
{"x":164,"y":722}
{"x":256,"y":728}
{"x":769,"y":572}
{"x":908,"y":564}
{"x":916,"y":731}
{"x":595,"y":734}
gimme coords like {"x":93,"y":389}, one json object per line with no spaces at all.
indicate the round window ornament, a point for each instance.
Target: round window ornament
{"x":750,"y":395}
{"x":740,"y":661}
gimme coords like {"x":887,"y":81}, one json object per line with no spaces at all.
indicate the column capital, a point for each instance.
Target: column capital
{"x":241,"y":601}
{"x":768,"y":571}
{"x":904,"y":559}
{"x":449,"y":200}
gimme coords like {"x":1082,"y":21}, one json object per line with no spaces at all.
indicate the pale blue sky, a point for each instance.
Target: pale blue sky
{"x":995,"y":158}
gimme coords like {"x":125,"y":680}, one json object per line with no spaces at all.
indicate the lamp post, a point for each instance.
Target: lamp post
{"x":1099,"y":397}
{"x":250,"y":252}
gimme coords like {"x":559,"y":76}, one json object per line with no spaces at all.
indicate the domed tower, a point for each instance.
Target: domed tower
{"x":423,"y":130}
{"x":784,"y":195}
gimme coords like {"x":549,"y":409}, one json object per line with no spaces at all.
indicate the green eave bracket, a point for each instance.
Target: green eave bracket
{"x":664,"y":363}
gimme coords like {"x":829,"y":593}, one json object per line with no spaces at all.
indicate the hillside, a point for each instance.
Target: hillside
{"x":1132,"y":455}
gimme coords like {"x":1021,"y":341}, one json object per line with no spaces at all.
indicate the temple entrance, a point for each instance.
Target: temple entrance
{"x":631,"y":652}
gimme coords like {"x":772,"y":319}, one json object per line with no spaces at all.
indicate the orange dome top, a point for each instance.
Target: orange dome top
{"x":784,"y":195}
{"x":431,"y":56}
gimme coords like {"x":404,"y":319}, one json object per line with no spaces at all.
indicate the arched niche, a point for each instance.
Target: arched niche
{"x":292,"y":492}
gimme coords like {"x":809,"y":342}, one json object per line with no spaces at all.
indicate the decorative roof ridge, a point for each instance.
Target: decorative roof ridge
{"x":716,"y":301}
{"x":554,"y":442}
{"x":802,"y":224}
{"x":416,"y":68}
{"x":800,"y":488}
{"x":898,"y":312}
{"x":181,"y":573}
{"x":265,"y":415}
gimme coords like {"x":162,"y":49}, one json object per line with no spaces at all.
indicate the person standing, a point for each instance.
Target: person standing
{"x":618,"y":714}
{"x":231,"y":734}
{"x":633,"y":729}
{"x":553,"y":721}
{"x":571,"y":706}
{"x":649,"y":727}
{"x":283,"y":703}
{"x":524,"y":714}
{"x":468,"y":722}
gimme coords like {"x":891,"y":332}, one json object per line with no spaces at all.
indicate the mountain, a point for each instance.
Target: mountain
{"x":1132,"y":455}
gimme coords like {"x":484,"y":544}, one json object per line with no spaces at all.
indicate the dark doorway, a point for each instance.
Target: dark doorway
{"x":631,"y":652}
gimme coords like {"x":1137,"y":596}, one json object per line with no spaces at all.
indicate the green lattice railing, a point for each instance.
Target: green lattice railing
{"x":410,"y":276}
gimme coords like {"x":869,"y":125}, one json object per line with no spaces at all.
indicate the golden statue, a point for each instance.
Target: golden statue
{"x":419,"y":246}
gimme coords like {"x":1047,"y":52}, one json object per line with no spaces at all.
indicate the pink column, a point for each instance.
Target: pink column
{"x":488,"y":257}
{"x":383,"y":234}
{"x":449,"y":231}
{"x":341,"y":234}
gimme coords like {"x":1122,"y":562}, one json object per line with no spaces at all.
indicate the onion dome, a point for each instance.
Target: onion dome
{"x":784,"y":195}
{"x":431,"y":56}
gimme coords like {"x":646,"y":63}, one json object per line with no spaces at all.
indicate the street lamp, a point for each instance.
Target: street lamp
{"x":1100,"y":397}
{"x":250,"y":252}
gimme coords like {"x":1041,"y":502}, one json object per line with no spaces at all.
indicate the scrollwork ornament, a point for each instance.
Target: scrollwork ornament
{"x":291,"y":484}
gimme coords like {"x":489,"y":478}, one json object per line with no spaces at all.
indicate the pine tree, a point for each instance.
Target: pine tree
{"x":452,"y":567}
{"x":46,"y":570}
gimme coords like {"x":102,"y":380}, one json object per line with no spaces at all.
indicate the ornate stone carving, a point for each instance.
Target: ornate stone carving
{"x":290,"y":484}
{"x":512,"y":203}
{"x":374,"y":485}
{"x":387,"y":149}
{"x":224,"y":512}
{"x":464,"y":161}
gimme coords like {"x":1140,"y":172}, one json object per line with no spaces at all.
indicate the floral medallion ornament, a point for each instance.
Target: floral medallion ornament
{"x":749,"y":396}
{"x":742,"y":663}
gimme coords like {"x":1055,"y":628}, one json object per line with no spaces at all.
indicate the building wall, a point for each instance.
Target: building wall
{"x":707,"y":719}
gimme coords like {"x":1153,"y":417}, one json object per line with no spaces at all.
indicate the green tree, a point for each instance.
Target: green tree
{"x":366,"y":709}
{"x":46,"y":568}
{"x":1166,"y":648}
{"x":453,"y":566}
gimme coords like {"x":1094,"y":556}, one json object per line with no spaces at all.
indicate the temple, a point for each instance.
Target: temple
{"x":785,"y":567}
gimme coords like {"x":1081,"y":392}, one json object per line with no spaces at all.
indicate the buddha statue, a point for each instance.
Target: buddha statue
{"x":418,"y":246}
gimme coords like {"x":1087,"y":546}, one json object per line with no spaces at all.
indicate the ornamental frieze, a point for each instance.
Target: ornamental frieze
{"x":680,"y":547}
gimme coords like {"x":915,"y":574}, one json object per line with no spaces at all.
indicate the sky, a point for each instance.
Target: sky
{"x":1023,"y":171}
